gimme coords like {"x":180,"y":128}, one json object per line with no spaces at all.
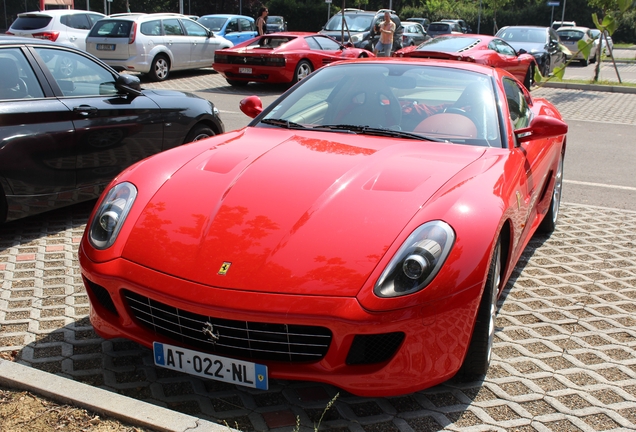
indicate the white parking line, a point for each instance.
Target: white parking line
{"x":629,"y":188}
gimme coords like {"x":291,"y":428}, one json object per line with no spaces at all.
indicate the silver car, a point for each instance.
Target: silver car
{"x":154,"y":44}
{"x":64,"y":26}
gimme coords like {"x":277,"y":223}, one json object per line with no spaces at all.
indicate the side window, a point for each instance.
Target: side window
{"x":246,"y":25}
{"x":172,"y":27}
{"x":77,"y":75}
{"x":194,"y":29}
{"x":18,"y":79}
{"x":151,"y":28}
{"x":76,"y":21}
{"x":520,"y":113}
{"x":93,"y":18}
{"x":232,"y":26}
{"x":328,"y":44}
{"x":312,"y":43}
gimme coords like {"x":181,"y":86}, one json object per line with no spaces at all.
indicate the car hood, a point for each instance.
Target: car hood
{"x":274,"y":210}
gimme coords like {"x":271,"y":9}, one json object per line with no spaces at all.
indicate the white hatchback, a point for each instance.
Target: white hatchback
{"x":154,"y":44}
{"x":64,"y":26}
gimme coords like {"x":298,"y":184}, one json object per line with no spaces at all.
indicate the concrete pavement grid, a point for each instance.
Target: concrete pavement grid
{"x":564,"y":352}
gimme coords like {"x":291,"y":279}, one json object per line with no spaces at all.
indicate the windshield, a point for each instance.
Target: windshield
{"x":405,"y":100}
{"x":31,"y":22}
{"x":111,"y":28}
{"x":448,"y":44}
{"x":355,"y":23}
{"x":523,"y":35}
{"x":275,"y":20}
{"x":438,"y":27}
{"x":213,"y":23}
{"x":570,"y":35}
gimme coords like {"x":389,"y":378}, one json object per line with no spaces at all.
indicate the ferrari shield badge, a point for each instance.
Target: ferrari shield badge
{"x":224,"y":268}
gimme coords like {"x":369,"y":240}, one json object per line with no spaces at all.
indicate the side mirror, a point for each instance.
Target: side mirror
{"x":521,"y":51}
{"x":251,"y":106}
{"x":129,"y":84}
{"x":542,"y":127}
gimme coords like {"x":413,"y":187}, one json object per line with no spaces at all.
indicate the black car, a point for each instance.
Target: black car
{"x":359,"y":28}
{"x":70,"y":124}
{"x":424,"y":22}
{"x":542,"y":42}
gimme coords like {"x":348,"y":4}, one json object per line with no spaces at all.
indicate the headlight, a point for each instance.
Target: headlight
{"x":418,"y":260}
{"x":111,"y":214}
{"x":356,"y":38}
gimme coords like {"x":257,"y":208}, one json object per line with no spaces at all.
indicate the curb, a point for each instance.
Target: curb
{"x":590,"y":87}
{"x":104,"y":402}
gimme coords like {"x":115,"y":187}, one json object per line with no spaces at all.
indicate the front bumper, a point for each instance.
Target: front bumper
{"x":434,"y":342}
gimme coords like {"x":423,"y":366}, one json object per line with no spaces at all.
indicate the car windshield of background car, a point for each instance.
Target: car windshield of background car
{"x":356,"y":23}
{"x":401,"y":97}
{"x":570,"y":35}
{"x":111,"y":28}
{"x":274,"y":20}
{"x":448,"y":44}
{"x":31,"y":22}
{"x":523,"y":35}
{"x":213,"y":23}
{"x":438,"y":27}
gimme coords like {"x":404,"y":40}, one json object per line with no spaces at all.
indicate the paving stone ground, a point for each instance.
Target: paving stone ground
{"x":564,"y":353}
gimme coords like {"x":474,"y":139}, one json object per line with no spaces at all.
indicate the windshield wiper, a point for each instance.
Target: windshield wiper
{"x":283,"y":123}
{"x":367,"y":130}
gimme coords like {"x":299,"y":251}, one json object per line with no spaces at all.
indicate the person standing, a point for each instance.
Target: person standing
{"x":385,"y":43}
{"x":261,"y":21}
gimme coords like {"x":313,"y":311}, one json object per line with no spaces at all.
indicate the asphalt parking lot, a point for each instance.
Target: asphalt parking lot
{"x":564,"y":354}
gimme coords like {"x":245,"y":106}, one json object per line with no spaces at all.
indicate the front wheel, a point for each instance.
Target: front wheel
{"x":548,"y":224}
{"x":529,"y":79}
{"x":160,"y":68}
{"x":546,"y":68}
{"x":199,"y":132}
{"x":480,"y":349}
{"x":303,"y":69}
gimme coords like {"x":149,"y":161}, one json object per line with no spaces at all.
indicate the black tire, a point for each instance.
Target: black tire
{"x":303,"y":69}
{"x":480,"y":349}
{"x":548,"y":224}
{"x":160,"y":68}
{"x":546,"y":68}
{"x":199,"y":132}
{"x":236,"y":83}
{"x":529,"y":79}
{"x":584,"y":62}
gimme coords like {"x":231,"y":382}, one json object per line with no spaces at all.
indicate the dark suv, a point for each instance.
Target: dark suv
{"x":360,"y":26}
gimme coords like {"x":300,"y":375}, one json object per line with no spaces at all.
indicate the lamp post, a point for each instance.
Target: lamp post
{"x":563,"y":13}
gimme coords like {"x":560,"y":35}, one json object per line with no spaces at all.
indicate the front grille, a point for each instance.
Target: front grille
{"x":252,"y":340}
{"x":377,"y":348}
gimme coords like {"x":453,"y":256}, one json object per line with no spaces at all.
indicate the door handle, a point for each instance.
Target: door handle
{"x":85,"y":110}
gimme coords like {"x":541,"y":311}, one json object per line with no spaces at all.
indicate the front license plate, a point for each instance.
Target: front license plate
{"x":211,"y":366}
{"x":106,"y":47}
{"x":245,"y":70}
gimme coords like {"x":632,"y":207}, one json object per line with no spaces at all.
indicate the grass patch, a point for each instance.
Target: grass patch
{"x":600,"y":82}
